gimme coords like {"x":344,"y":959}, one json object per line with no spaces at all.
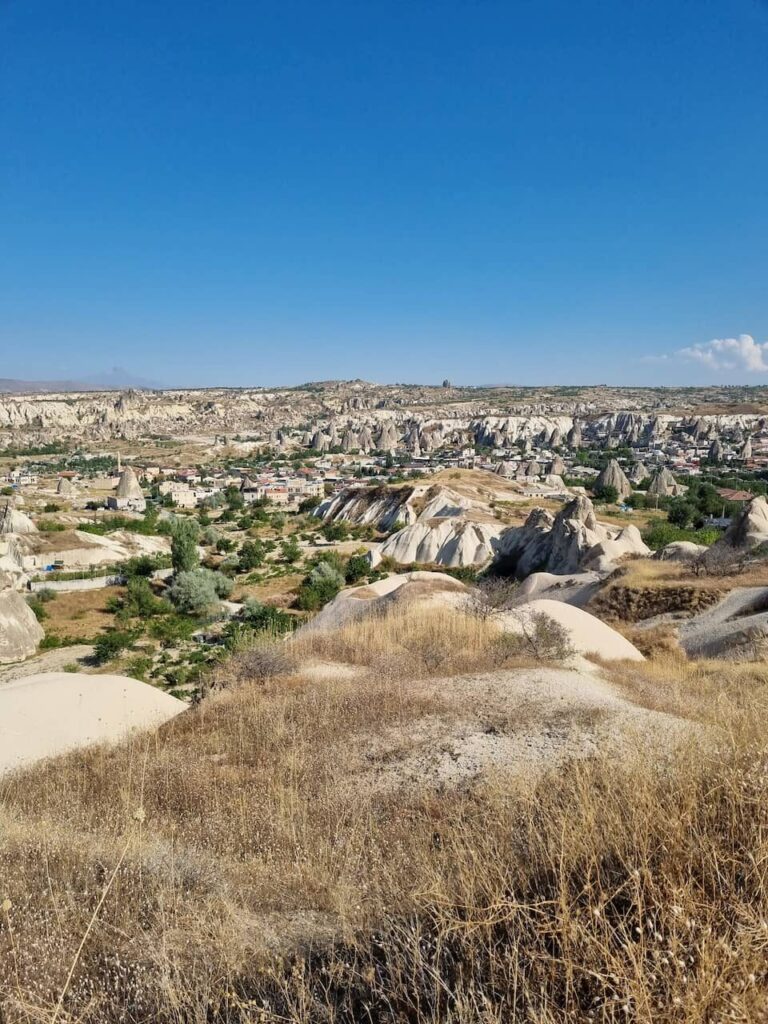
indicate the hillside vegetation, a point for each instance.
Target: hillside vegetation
{"x":256,"y":860}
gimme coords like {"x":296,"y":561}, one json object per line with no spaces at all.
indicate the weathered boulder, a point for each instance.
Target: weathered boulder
{"x":664,"y":485}
{"x":48,"y":714}
{"x":426,"y":589}
{"x":20,"y":632}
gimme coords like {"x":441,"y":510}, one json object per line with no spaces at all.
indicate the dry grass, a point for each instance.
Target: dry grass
{"x":416,"y":641}
{"x":80,"y":613}
{"x":258,"y":883}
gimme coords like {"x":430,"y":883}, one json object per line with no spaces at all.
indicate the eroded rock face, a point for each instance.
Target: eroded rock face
{"x":451,"y":541}
{"x":45,"y":715}
{"x":450,"y":530}
{"x":14,"y":522}
{"x":747,"y":532}
{"x":664,"y":485}
{"x":425,"y":589}
{"x":613,"y":476}
{"x":20,"y":632}
{"x":569,"y":542}
{"x":381,"y":507}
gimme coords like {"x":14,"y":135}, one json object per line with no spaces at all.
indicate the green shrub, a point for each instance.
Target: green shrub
{"x":357,"y":568}
{"x":267,"y":618}
{"x":197,"y":591}
{"x":291,"y":551}
{"x":109,"y":645}
{"x":319,"y":587}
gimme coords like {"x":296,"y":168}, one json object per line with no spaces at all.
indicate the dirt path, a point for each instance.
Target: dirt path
{"x":48,"y":661}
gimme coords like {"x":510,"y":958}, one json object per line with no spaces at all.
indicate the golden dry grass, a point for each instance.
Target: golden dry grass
{"x":248,"y":878}
{"x":415,"y":641}
{"x":80,"y":613}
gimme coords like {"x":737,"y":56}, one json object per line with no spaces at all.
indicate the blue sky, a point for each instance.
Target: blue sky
{"x":258,"y":192}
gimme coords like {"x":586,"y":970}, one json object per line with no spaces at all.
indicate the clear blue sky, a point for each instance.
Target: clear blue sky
{"x":274,"y":191}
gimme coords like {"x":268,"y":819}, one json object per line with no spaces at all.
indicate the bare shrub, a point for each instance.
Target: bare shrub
{"x":540,"y":637}
{"x":493,"y":594}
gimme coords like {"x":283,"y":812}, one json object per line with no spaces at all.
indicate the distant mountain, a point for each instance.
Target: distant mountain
{"x":24,"y":387}
{"x":119,"y":378}
{"x":116,"y":379}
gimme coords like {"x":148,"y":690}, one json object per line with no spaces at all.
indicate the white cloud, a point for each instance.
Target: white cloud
{"x":742,"y":353}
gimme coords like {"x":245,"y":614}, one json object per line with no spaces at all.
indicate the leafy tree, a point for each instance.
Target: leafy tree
{"x":320,"y":586}
{"x":109,"y":645}
{"x":252,"y":555}
{"x":682,"y":513}
{"x":233,"y":497}
{"x":335,"y":531}
{"x":606,"y":493}
{"x":267,"y":618}
{"x":309,"y":504}
{"x":140,"y":600}
{"x":184,"y":537}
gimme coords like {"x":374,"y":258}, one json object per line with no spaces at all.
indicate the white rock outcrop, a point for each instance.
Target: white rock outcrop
{"x":20,"y":632}
{"x":586,"y":633}
{"x":450,"y":530}
{"x":426,"y":589}
{"x":49,"y":714}
{"x":570,"y":542}
{"x":613,"y":476}
{"x":747,"y":531}
{"x":381,"y":507}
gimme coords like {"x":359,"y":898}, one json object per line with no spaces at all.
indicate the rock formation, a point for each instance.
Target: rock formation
{"x":571,"y":541}
{"x":613,"y":476}
{"x":14,"y":522}
{"x":381,"y":507}
{"x":20,"y":632}
{"x":450,"y":531}
{"x":48,"y":714}
{"x":586,"y":634}
{"x":664,"y":485}
{"x":452,"y":542}
{"x":638,"y":473}
{"x":748,"y":531}
{"x":419,"y":588}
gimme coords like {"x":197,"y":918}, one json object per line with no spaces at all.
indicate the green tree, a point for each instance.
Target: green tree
{"x":357,"y":568}
{"x":109,"y":645}
{"x":252,"y":555}
{"x":319,"y":587}
{"x":682,"y":513}
{"x":184,"y":536}
{"x":606,"y":493}
{"x":233,"y":497}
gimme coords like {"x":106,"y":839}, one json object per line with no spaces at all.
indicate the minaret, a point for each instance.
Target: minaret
{"x":119,"y":466}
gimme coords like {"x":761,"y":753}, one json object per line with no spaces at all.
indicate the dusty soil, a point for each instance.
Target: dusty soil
{"x":49,"y":661}
{"x":518,"y":722}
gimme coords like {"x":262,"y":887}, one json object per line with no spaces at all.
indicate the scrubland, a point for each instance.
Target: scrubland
{"x":238,"y":867}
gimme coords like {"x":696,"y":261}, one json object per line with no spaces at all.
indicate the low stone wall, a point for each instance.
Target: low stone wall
{"x":91,"y":582}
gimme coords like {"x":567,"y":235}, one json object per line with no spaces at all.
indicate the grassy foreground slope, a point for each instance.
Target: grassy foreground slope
{"x":240,"y":866}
